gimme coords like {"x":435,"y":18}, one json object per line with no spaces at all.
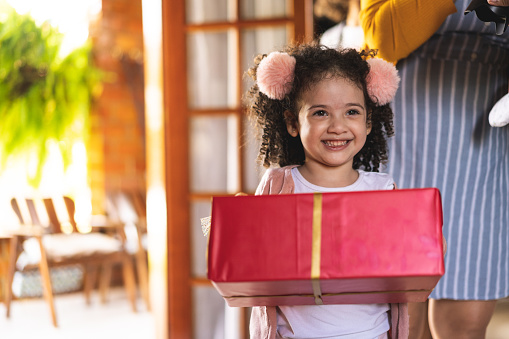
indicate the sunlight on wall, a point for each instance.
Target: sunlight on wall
{"x":156,"y":196}
{"x":72,"y":19}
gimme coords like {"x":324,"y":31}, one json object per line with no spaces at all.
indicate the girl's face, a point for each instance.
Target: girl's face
{"x":332,"y":123}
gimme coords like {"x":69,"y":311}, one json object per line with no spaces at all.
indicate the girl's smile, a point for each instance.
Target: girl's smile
{"x":334,"y":143}
{"x":332,"y":125}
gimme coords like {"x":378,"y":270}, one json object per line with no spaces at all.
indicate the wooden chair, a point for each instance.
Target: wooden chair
{"x":136,"y":202}
{"x":103,"y":247}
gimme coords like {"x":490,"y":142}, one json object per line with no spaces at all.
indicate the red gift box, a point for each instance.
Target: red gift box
{"x":330,"y":248}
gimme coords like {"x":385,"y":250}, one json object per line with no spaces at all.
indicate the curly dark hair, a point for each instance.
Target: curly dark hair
{"x":314,"y":63}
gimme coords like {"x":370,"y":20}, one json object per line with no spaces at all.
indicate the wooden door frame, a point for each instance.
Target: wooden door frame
{"x":177,"y":169}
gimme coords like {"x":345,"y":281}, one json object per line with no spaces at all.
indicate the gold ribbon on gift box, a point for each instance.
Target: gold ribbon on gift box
{"x":316,"y":248}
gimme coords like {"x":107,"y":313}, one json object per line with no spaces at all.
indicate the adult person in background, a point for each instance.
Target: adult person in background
{"x":347,"y":32}
{"x":453,"y":69}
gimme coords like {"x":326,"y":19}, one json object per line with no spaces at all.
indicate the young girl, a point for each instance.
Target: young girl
{"x":324,"y":118}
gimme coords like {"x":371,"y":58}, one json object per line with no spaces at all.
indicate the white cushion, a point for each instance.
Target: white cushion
{"x":59,"y":246}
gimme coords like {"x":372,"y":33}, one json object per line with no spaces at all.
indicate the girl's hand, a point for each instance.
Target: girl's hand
{"x":498,"y":2}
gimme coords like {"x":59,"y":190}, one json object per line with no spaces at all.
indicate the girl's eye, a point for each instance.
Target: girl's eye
{"x":353,"y":112}
{"x":320,"y":113}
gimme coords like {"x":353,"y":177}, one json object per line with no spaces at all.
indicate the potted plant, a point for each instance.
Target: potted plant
{"x":44,"y":97}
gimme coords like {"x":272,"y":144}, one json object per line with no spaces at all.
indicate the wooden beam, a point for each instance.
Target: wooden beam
{"x":303,"y":24}
{"x":177,"y":169}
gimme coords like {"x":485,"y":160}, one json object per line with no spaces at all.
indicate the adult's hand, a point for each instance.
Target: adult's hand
{"x":498,"y":2}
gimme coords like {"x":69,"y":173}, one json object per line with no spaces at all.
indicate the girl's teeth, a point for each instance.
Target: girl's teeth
{"x":335,"y":143}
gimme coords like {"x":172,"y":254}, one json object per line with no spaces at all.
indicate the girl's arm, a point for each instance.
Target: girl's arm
{"x":398,"y":27}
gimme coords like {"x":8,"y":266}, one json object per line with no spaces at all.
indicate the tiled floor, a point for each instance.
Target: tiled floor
{"x":30,"y":319}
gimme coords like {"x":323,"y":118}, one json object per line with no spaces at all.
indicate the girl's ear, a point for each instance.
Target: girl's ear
{"x":291,"y":124}
{"x":368,"y":123}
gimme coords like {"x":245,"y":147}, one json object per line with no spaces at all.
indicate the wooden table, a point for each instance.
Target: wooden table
{"x":6,"y":237}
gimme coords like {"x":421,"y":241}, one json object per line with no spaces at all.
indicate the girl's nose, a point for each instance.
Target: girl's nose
{"x":336,"y":125}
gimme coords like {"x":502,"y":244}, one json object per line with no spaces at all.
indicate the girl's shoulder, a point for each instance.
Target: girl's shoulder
{"x":377,"y":180}
{"x":276,"y":180}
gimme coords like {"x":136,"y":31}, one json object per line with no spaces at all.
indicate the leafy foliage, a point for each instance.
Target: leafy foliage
{"x":43,"y":96}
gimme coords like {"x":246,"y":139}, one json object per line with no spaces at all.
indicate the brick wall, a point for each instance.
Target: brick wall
{"x":116,"y":148}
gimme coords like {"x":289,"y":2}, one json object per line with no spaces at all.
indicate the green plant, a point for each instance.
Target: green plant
{"x":43,"y":96}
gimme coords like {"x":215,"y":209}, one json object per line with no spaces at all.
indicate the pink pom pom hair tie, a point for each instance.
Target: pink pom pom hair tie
{"x":382,"y":81}
{"x":275,"y":74}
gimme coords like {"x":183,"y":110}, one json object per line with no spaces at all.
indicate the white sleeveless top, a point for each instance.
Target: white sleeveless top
{"x":336,"y":321}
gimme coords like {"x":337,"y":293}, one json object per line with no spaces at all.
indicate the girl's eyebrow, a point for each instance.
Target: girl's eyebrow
{"x":350,"y":104}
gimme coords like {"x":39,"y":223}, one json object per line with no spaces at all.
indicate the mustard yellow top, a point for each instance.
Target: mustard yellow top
{"x":397,"y":27}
